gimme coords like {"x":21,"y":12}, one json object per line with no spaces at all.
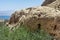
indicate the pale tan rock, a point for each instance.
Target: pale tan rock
{"x":52,"y":3}
{"x":35,"y":18}
{"x":46,"y":2}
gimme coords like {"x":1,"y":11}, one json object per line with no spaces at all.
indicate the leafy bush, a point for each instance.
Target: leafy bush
{"x":22,"y":34}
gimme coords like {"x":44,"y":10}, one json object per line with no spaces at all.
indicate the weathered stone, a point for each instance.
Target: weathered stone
{"x":52,"y":3}
{"x":46,"y":2}
{"x":34,"y":18}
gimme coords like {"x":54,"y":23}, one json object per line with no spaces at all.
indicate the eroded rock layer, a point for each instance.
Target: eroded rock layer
{"x":52,"y":3}
{"x":34,"y":18}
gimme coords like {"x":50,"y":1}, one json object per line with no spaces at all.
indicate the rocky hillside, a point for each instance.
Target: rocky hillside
{"x":46,"y":17}
{"x":52,"y":3}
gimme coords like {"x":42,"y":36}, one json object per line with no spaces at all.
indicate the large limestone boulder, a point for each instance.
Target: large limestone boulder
{"x":34,"y":18}
{"x":52,"y":3}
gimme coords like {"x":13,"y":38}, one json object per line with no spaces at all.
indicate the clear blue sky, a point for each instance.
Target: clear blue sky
{"x":18,"y":4}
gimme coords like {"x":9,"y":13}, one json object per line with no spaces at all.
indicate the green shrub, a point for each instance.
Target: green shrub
{"x":22,"y":33}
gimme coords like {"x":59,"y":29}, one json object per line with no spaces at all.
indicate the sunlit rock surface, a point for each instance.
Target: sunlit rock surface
{"x":46,"y":17}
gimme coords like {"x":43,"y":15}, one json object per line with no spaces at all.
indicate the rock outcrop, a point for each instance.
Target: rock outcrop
{"x":52,"y":3}
{"x":47,"y":2}
{"x":46,"y":17}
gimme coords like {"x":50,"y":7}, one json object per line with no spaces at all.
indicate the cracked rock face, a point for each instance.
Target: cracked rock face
{"x":46,"y":2}
{"x":34,"y":18}
{"x":52,"y":3}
